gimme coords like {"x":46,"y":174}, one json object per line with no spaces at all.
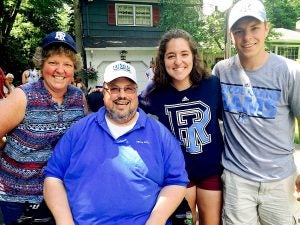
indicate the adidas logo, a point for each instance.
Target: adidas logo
{"x":185,"y":99}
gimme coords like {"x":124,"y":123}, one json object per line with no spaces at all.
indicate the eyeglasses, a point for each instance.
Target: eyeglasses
{"x":117,"y":90}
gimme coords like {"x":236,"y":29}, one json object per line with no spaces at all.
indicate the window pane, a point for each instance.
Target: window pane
{"x":143,"y":15}
{"x":288,"y":52}
{"x":292,"y":53}
{"x":125,"y":15}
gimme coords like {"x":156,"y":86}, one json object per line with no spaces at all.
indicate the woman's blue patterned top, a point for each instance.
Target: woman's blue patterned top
{"x":30,"y":144}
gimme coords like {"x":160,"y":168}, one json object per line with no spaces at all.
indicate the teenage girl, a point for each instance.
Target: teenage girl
{"x":187,"y":100}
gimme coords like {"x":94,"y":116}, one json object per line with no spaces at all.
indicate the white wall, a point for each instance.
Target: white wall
{"x":139,"y":58}
{"x":298,"y":25}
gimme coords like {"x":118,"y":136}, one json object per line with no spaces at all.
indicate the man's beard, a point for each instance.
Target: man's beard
{"x":118,"y":118}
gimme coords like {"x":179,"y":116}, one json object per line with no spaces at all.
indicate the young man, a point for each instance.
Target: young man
{"x":116,"y":166}
{"x":261,"y":98}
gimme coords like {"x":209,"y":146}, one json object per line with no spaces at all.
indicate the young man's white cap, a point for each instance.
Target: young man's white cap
{"x":119,"y":69}
{"x":243,"y":8}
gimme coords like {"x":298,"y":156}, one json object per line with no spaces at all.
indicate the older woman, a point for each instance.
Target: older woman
{"x":33,"y":118}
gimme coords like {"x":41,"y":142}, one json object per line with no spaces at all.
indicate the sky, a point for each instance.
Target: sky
{"x":209,"y":6}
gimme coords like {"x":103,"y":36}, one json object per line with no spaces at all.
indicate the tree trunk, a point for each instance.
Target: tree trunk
{"x":78,"y":33}
{"x":78,"y":26}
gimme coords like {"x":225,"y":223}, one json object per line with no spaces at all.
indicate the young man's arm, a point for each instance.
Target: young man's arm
{"x":168,"y":200}
{"x":56,"y":199}
{"x":298,"y":177}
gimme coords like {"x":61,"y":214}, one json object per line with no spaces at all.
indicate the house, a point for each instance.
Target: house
{"x":120,"y":30}
{"x":286,"y":43}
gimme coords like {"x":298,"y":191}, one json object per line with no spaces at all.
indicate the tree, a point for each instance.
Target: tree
{"x":78,"y":25}
{"x":283,"y":13}
{"x":23,"y":23}
{"x":179,"y":14}
{"x":209,"y":31}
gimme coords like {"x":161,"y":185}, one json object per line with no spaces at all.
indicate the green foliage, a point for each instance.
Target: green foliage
{"x":283,"y":13}
{"x":23,"y":24}
{"x":209,"y":31}
{"x":64,"y":17}
{"x":212,"y":32}
{"x":185,"y":16}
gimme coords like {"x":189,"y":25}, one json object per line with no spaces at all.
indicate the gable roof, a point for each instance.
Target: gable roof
{"x":287,"y":36}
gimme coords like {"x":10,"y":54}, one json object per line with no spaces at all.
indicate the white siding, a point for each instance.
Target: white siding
{"x":138,"y":58}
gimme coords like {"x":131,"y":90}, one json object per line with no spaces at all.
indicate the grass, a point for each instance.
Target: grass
{"x":297,"y":136}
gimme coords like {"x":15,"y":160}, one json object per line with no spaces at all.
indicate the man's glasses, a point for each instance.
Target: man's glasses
{"x":117,"y":90}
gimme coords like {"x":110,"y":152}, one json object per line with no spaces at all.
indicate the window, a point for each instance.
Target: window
{"x":134,"y":15}
{"x":286,"y":51}
{"x":143,"y":15}
{"x":125,"y":15}
{"x":289,"y":52}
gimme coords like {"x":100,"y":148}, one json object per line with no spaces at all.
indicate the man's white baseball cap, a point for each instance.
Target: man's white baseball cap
{"x":243,"y":8}
{"x":119,"y":69}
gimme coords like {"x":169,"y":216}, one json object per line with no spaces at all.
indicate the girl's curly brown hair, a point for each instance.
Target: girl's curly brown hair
{"x":161,"y":77}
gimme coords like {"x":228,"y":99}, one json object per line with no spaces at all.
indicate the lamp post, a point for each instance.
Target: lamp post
{"x":227,"y":48}
{"x":123,"y":54}
{"x":209,"y":6}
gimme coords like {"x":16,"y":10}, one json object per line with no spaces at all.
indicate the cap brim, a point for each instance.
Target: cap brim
{"x":256,"y":17}
{"x":110,"y":80}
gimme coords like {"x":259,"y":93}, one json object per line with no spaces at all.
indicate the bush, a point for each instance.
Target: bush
{"x":89,"y":73}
